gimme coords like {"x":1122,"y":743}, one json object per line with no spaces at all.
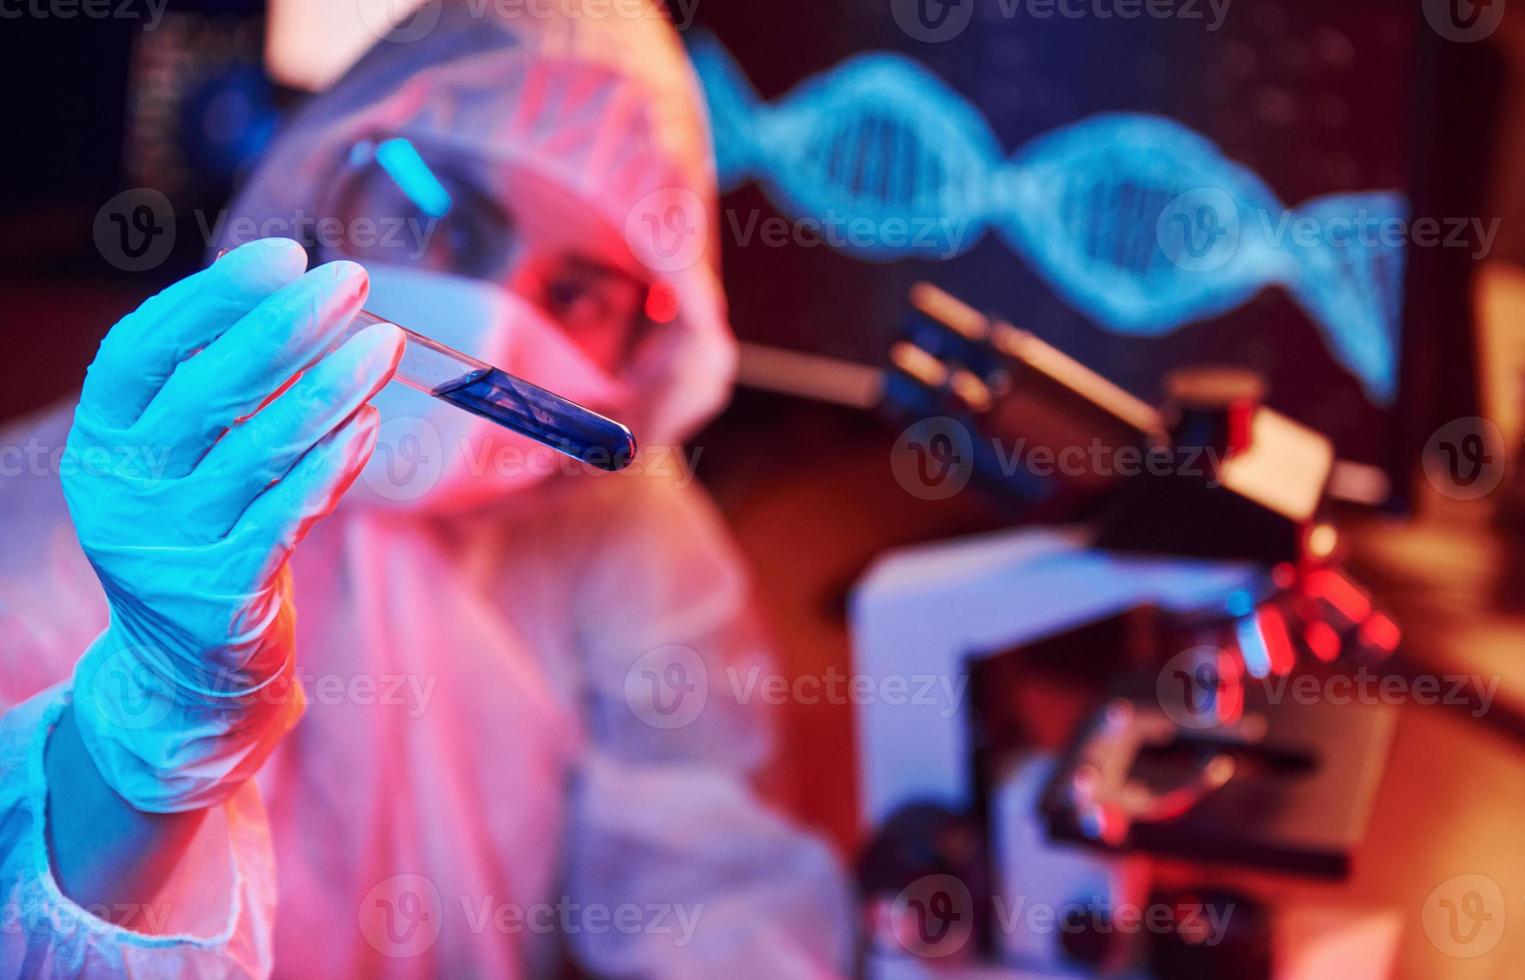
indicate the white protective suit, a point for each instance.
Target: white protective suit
{"x":480,"y":784}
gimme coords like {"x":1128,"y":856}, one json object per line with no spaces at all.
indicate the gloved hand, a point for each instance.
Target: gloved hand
{"x":194,"y":471}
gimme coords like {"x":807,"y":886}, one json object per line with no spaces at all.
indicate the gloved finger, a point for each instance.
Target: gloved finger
{"x":279,"y":518}
{"x":240,"y":370}
{"x":256,"y":453}
{"x":140,"y":353}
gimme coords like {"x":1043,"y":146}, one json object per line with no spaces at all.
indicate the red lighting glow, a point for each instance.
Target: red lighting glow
{"x":1323,"y":641}
{"x":1339,"y":593}
{"x":1381,"y":632}
{"x":1278,"y":642}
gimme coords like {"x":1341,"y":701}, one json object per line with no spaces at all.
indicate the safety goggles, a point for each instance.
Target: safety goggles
{"x":430,"y":205}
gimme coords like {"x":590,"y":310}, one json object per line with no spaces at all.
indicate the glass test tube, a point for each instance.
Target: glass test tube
{"x":481,"y":389}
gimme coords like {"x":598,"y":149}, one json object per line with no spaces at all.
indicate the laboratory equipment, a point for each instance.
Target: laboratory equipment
{"x":528,"y":409}
{"x":474,"y":386}
{"x":1191,"y":593}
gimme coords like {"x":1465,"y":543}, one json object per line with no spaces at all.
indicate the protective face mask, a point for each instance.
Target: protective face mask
{"x":432,"y":455}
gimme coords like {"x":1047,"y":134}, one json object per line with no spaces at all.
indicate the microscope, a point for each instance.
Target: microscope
{"x":1143,"y":683}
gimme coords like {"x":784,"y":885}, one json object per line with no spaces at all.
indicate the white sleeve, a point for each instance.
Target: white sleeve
{"x":179,"y":934}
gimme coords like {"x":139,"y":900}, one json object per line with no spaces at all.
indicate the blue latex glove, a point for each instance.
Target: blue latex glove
{"x":196,"y":471}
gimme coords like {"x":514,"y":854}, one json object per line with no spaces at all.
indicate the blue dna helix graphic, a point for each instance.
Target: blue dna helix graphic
{"x":1136,"y":221}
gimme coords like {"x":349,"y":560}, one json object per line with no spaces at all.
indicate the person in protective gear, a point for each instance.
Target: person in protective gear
{"x":480,"y":715}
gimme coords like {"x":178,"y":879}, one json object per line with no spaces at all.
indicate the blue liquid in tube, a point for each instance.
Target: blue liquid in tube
{"x":500,"y":397}
{"x":547,"y":418}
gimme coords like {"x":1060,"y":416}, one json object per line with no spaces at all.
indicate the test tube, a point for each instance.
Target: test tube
{"x":481,"y":389}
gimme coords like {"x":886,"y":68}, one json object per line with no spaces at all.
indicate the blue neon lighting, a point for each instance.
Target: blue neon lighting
{"x":1257,"y":657}
{"x":1136,"y":221}
{"x":1240,"y":603}
{"x":401,"y":161}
